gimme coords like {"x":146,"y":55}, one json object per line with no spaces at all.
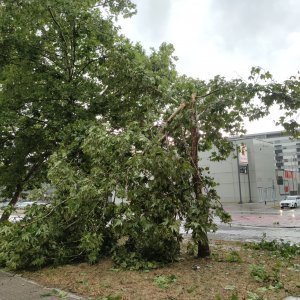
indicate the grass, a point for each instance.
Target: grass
{"x":164,"y":281}
{"x":233,"y":272}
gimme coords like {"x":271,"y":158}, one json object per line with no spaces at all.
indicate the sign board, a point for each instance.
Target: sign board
{"x":243,"y":169}
{"x":243,"y":155}
{"x":289,"y":174}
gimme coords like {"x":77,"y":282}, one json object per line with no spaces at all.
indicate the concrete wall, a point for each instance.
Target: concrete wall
{"x":264,"y":163}
{"x":261,"y":173}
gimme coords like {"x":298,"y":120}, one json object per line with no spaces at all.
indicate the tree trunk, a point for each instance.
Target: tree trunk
{"x":6,"y":214}
{"x":203,"y":245}
{"x":203,"y":248}
{"x":19,"y":188}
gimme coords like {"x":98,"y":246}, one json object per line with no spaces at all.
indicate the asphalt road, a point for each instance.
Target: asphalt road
{"x":251,"y":220}
{"x":253,"y":233}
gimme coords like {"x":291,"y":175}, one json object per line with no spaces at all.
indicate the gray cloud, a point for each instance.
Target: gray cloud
{"x":254,"y":26}
{"x":153,"y":17}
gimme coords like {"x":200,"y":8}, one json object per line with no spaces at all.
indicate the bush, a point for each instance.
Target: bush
{"x":233,"y":256}
{"x":280,"y":248}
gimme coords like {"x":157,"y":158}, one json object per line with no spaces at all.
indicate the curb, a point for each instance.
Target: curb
{"x":68,"y":295}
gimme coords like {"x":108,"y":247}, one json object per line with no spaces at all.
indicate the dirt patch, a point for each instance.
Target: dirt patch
{"x":225,"y":274}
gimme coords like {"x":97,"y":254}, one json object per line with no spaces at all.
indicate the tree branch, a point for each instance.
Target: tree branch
{"x":181,"y":107}
{"x":61,"y":33}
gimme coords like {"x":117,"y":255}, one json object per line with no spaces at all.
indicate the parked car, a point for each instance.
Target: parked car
{"x":290,"y":201}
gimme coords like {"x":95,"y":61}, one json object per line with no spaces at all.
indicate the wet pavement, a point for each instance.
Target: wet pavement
{"x":251,"y":234}
{"x":251,"y":220}
{"x":263,"y":215}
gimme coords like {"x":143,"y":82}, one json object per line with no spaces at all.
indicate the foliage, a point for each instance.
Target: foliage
{"x":92,"y":114}
{"x":191,"y":248}
{"x":233,"y":256}
{"x":61,"y":62}
{"x":254,"y":296}
{"x":55,"y":293}
{"x":97,"y":162}
{"x":85,"y":223}
{"x":46,"y":240}
{"x":259,"y":273}
{"x":234,"y":297}
{"x":285,"y":95}
{"x":279,"y":248}
{"x":164,"y":281}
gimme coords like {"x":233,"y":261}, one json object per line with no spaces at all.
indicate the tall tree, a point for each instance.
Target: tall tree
{"x":63,"y":61}
{"x":211,"y":111}
{"x":113,"y":119}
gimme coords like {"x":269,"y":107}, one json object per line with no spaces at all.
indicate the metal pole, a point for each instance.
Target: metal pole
{"x":250,"y":198}
{"x":273,"y":192}
{"x":239,"y":176}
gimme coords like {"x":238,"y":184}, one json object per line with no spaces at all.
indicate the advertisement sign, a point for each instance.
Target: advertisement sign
{"x":289,"y":174}
{"x":243,"y":155}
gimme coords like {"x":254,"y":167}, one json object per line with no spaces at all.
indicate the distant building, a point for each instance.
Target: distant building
{"x":273,"y":167}
{"x":287,"y":159}
{"x":233,"y":175}
{"x":286,"y":149}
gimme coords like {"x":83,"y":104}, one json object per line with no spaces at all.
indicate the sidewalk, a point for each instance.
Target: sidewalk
{"x":14,"y":287}
{"x":263,"y":215}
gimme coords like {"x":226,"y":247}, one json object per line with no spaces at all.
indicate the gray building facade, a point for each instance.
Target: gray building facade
{"x":286,"y":149}
{"x":287,"y":160}
{"x":234,"y":185}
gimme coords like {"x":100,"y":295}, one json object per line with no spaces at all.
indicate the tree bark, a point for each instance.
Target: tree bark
{"x":19,"y":188}
{"x":203,"y":245}
{"x":6,"y":214}
{"x":181,"y":107}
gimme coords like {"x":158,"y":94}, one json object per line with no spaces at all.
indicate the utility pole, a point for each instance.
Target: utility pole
{"x":239,"y":176}
{"x":249,"y":185}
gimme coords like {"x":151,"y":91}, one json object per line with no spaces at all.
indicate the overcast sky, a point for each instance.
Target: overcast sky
{"x":225,"y":37}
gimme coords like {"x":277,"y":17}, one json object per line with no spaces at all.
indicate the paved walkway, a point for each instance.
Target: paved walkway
{"x":263,"y":215}
{"x":14,"y":287}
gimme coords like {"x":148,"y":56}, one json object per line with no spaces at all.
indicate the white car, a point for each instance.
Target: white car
{"x":290,"y":201}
